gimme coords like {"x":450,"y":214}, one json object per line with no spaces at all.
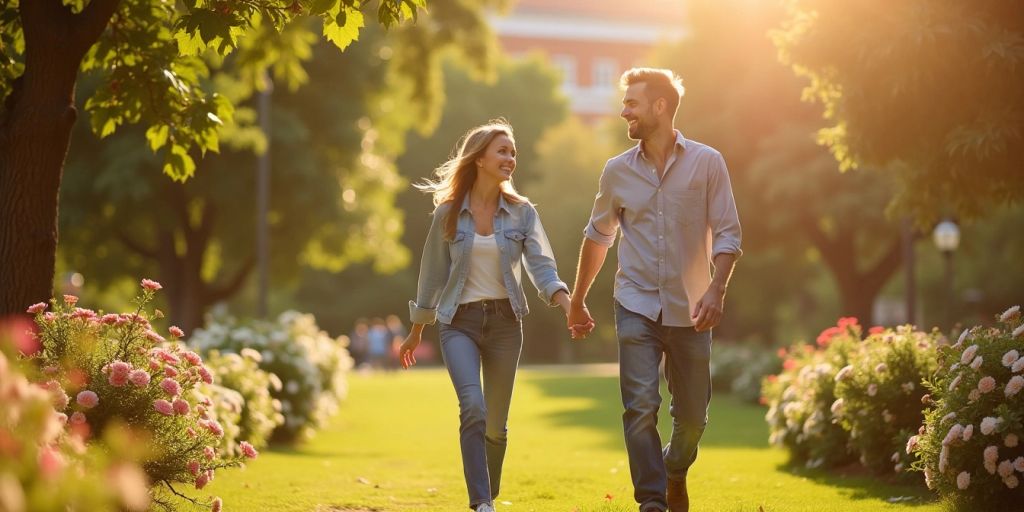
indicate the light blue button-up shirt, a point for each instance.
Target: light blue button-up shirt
{"x":671,"y":227}
{"x":445,"y":263}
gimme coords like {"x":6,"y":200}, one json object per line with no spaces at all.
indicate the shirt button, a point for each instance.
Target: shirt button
{"x":659,"y":212}
{"x":660,"y":237}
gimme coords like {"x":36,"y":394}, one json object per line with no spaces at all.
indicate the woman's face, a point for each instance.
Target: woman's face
{"x":499,"y":159}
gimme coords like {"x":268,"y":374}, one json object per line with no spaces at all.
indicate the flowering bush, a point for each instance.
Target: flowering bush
{"x":801,"y":398}
{"x":739,"y":369}
{"x":260,"y":413}
{"x":42,"y":466}
{"x":108,"y":370}
{"x":879,"y":395}
{"x":970,"y":445}
{"x":310,"y":365}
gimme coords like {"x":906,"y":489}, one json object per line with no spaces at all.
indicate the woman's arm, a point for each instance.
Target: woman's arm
{"x":434,"y":268}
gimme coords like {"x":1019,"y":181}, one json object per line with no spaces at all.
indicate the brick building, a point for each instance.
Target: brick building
{"x":591,"y":41}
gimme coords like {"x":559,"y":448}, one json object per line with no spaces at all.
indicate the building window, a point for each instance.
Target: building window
{"x":567,"y":65}
{"x":605,"y":74}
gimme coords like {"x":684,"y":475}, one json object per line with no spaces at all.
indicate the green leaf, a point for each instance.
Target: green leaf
{"x":178,"y":164}
{"x":157,"y":136}
{"x":318,"y":7}
{"x":344,"y":35}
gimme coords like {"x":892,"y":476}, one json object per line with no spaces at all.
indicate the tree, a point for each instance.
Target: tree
{"x":151,"y":58}
{"x":931,"y":91}
{"x":333,"y":190}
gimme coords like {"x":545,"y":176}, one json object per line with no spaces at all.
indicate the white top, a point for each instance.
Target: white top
{"x":484,"y":279}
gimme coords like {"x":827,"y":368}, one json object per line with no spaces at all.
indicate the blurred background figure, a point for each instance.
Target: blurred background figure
{"x":379,"y":343}
{"x":360,"y":342}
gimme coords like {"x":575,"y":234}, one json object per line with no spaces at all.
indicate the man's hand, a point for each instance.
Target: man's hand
{"x":579,"y":321}
{"x":708,"y":312}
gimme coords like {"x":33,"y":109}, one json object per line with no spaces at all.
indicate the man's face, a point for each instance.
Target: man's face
{"x":638,"y":111}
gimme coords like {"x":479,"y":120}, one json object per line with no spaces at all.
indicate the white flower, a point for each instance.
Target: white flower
{"x":952,"y":385}
{"x":986,"y":384}
{"x":943,"y":459}
{"x":1010,"y":357}
{"x":872,"y":389}
{"x":948,"y":417}
{"x":963,"y":336}
{"x":881,"y":367}
{"x":968,"y":354}
{"x":954,"y":433}
{"x":974,"y":395}
{"x":908,"y":387}
{"x":1018,"y":464}
{"x":898,"y":467}
{"x":1018,"y":366}
{"x":953,"y":367}
{"x":1018,"y":331}
{"x":928,"y":477}
{"x":844,"y":372}
{"x":895,"y":457}
{"x":1011,"y":441}
{"x":976,"y":363}
{"x":968,"y":432}
{"x":1014,"y":386}
{"x":1005,"y":468}
{"x":911,"y":444}
{"x":989,"y":424}
{"x":963,"y":480}
{"x":1009,"y":313}
{"x":991,"y":454}
{"x":1011,"y":481}
{"x":837,"y":407}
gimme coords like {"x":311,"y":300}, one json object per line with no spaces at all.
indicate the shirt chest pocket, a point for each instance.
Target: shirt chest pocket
{"x":457,"y":246}
{"x":688,"y":207}
{"x":514,"y":241}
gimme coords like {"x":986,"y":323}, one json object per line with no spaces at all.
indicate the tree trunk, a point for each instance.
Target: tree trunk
{"x":35,"y":131}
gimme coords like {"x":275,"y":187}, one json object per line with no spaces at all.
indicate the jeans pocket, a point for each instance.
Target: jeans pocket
{"x":505,"y":310}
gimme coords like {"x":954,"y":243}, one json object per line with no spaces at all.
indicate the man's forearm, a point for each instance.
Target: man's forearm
{"x":592,"y":256}
{"x":724,"y":265}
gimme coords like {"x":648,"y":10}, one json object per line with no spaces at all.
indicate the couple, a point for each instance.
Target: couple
{"x":672,"y":200}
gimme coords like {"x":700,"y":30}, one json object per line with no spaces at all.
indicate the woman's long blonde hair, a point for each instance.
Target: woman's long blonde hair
{"x":455,"y":178}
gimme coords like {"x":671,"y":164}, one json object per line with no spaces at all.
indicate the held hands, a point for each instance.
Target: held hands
{"x":579,"y":325}
{"x":406,"y":353}
{"x":708,"y":311}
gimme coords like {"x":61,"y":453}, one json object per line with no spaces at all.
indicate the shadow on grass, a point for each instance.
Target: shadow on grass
{"x":731,"y":424}
{"x":860,"y":485}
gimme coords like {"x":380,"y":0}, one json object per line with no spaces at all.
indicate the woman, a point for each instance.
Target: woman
{"x":470,"y":279}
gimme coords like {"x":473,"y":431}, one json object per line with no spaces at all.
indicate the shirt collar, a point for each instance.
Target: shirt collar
{"x":680,"y":143}
{"x":502,"y":203}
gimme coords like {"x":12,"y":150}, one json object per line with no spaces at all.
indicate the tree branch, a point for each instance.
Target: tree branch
{"x":92,"y":21}
{"x":135,"y":246}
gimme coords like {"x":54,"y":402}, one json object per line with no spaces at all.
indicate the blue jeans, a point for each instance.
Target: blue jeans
{"x":483,"y":334}
{"x":687,"y":353}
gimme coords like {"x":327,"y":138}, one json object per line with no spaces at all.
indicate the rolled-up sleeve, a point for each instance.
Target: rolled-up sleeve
{"x":604,"y":219}
{"x":540,"y":261}
{"x":434,"y":268}
{"x":723,"y":219}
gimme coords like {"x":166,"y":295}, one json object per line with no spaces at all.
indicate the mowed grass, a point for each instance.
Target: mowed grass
{"x":394,"y":447}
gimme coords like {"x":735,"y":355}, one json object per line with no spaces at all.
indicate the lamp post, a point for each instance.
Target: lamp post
{"x":947,"y":238}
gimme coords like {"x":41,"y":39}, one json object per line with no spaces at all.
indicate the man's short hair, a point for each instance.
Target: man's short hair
{"x":661,"y":83}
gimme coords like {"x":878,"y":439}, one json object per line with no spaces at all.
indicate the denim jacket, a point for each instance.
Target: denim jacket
{"x":445,"y":264}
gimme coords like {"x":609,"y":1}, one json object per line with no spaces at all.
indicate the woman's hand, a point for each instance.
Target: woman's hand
{"x":406,"y":353}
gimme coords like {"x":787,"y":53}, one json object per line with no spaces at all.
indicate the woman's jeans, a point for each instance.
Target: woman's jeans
{"x":687,"y":353}
{"x":487,"y":335}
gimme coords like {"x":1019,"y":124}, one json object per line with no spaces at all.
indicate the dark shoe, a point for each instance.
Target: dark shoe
{"x":651,"y":507}
{"x":678,"y":499}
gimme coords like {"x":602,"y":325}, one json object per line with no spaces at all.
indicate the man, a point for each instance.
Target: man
{"x":672,"y":200}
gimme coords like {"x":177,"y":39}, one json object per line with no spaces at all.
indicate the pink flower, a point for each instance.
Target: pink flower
{"x":70,"y":300}
{"x":1012,"y":312}
{"x":1014,"y":386}
{"x":139,"y":377}
{"x":968,"y":432}
{"x":181,"y":407}
{"x":248,"y":450}
{"x":911,"y":444}
{"x":872,"y":389}
{"x":844,"y":372}
{"x":1010,"y":441}
{"x":163,"y":407}
{"x":1011,"y":481}
{"x":1010,"y":357}
{"x":204,"y":373}
{"x":77,"y":418}
{"x":990,"y":424}
{"x":209,"y":453}
{"x":192,"y":358}
{"x":118,"y":379}
{"x":109,"y":319}
{"x":986,"y":384}
{"x":1018,"y":464}
{"x":171,"y":387}
{"x":878,"y":329}
{"x":168,"y":357}
{"x":216,"y":506}
{"x":154,"y":364}
{"x":120,"y":367}
{"x":954,"y":433}
{"x":952,"y":385}
{"x":968,"y":354}
{"x":1005,"y":468}
{"x":87,"y":399}
{"x":176,"y":331}
{"x":151,"y":285}
{"x":1019,"y":365}
{"x":963,"y":480}
{"x":62,"y":418}
{"x":881,"y":367}
{"x":36,"y":308}
{"x":51,"y":462}
{"x":202,"y":480}
{"x":153,"y":336}
{"x":193,"y":467}
{"x":214,"y":428}
{"x":976,"y":363}
{"x":170,"y":371}
{"x":974,"y":395}
{"x":191,"y":432}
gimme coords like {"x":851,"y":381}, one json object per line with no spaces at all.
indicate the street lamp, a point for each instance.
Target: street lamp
{"x":947,"y":238}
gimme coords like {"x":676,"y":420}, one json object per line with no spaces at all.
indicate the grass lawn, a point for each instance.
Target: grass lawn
{"x":394,"y":447}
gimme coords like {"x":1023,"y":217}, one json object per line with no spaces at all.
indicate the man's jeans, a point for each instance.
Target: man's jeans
{"x":642,"y":342}
{"x":483,"y":334}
